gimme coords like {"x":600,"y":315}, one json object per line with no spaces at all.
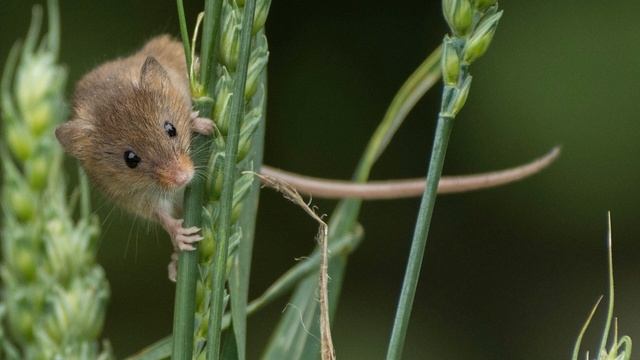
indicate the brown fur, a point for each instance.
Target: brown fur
{"x":123,"y":105}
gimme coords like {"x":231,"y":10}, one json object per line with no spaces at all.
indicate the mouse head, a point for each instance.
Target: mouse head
{"x":132,"y":136}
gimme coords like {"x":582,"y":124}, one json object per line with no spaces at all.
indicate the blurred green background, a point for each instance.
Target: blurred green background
{"x":509,"y":273}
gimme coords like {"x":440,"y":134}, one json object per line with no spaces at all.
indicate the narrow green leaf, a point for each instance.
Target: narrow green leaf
{"x":157,"y":351}
{"x":337,"y":270}
{"x":610,"y":300}
{"x":576,"y":347}
{"x":340,"y":247}
{"x":413,"y":89}
{"x":162,"y":348}
{"x":297,"y":334}
{"x":241,"y":266}
{"x":289,"y":339}
{"x":229,"y":346}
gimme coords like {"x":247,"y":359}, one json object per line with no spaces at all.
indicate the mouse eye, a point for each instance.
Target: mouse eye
{"x":131,"y":159}
{"x":170,"y":129}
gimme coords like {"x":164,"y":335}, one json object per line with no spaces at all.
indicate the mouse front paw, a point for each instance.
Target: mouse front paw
{"x":182,"y":238}
{"x":185,"y":238}
{"x":201,"y":125}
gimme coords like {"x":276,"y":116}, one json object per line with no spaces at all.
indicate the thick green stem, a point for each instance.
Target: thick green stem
{"x":219,"y":264}
{"x":419,"y":242}
{"x":183,"y":317}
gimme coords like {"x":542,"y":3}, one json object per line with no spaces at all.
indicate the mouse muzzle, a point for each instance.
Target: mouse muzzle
{"x":176,"y":173}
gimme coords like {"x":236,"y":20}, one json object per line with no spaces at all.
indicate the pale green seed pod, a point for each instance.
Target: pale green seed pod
{"x":450,"y":63}
{"x":230,"y":41}
{"x":249,"y":127}
{"x":262,"y":10}
{"x":460,"y":96}
{"x":67,"y":249}
{"x":22,"y":204}
{"x":37,"y":172}
{"x":39,"y":85}
{"x":71,"y":314}
{"x":223,"y":98}
{"x":35,"y":79}
{"x":257,"y":64}
{"x":24,"y":262}
{"x":20,"y":141}
{"x":459,"y":15}
{"x":207,"y":245}
{"x":38,"y":117}
{"x":481,"y":38}
{"x":241,"y":188}
{"x":21,"y":320}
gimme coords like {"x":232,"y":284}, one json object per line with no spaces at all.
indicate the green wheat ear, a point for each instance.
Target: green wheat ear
{"x":230,"y":88}
{"x":54,"y":295}
{"x":472,"y":25}
{"x":620,"y":348}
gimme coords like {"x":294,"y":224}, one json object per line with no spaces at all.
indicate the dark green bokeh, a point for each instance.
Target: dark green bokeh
{"x":509,"y":273}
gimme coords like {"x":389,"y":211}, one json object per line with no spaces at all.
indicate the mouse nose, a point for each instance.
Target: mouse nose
{"x":178,"y":173}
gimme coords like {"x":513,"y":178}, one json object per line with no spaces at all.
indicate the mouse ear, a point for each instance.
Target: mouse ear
{"x":153,"y":74}
{"x":74,"y":137}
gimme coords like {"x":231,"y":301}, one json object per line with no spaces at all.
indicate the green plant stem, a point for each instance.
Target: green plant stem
{"x":412,"y":90}
{"x":219,"y":264}
{"x":339,"y":247}
{"x":183,"y":317}
{"x":284,"y":283}
{"x":291,"y":337}
{"x":184,"y":34}
{"x":419,"y":242}
{"x":416,"y":85}
{"x":210,"y":36}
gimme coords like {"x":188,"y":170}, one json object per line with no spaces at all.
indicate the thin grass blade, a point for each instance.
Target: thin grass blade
{"x":576,"y":347}
{"x":241,"y":266}
{"x":297,"y":334}
{"x":607,"y":325}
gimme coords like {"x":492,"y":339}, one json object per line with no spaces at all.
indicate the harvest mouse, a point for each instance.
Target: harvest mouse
{"x":131,"y":129}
